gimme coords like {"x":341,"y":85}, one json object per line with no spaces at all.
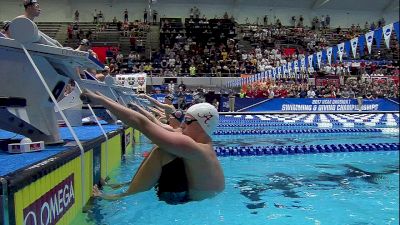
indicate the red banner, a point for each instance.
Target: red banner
{"x":51,"y":206}
{"x":101,"y":52}
{"x":289,"y":51}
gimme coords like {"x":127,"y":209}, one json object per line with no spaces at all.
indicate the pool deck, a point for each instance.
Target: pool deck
{"x":88,"y":135}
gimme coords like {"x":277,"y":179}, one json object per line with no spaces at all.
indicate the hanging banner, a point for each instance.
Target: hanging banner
{"x":289,"y":66}
{"x":135,"y":80}
{"x":340,"y":51}
{"x":361,"y":42}
{"x":296,"y":66}
{"x":387,"y":31}
{"x":354,"y":43}
{"x":334,"y":53}
{"x":324,"y":58}
{"x":347,"y":48}
{"x":303,"y":64}
{"x":310,"y":62}
{"x":319,"y":58}
{"x":279,"y":70}
{"x":285,"y":70}
{"x":369,"y":37}
{"x":329,"y":54}
{"x":378,"y":37}
{"x":396,"y":30}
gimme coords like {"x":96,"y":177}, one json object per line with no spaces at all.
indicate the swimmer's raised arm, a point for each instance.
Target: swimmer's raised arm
{"x":156,"y":112}
{"x":172,"y":142}
{"x":144,"y":112}
{"x":168,"y":108}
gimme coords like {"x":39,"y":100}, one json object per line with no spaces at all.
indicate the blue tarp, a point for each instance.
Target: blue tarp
{"x":12,"y":162}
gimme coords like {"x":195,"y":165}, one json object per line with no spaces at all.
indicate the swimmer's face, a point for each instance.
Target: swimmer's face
{"x":190,"y":126}
{"x":167,"y":101}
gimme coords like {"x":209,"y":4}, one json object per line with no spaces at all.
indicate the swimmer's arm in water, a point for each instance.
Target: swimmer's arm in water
{"x":111,"y":197}
{"x":173,"y":142}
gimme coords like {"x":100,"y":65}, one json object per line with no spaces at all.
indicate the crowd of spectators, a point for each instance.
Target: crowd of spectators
{"x":352,"y":88}
{"x":193,"y":48}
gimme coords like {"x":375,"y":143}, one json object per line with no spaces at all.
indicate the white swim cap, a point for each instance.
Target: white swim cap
{"x":207,"y":116}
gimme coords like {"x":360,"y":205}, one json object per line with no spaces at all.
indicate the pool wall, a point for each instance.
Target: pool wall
{"x":49,"y":192}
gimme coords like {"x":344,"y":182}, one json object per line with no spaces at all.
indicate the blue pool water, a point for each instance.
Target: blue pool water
{"x":336,"y":188}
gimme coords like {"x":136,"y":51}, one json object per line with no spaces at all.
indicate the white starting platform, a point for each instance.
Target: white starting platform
{"x":30,"y":71}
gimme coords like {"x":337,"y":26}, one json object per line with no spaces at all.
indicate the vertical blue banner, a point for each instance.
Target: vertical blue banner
{"x":324,"y":56}
{"x":361,"y":42}
{"x":396,"y":30}
{"x":378,"y":37}
{"x":347,"y":48}
{"x":334,"y":53}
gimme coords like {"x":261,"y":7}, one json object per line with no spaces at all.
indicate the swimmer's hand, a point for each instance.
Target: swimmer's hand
{"x":142,"y":95}
{"x":133,"y":106}
{"x":98,"y":194}
{"x":90,"y":97}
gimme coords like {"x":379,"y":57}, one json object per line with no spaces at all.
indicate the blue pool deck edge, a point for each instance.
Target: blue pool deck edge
{"x":89,"y":135}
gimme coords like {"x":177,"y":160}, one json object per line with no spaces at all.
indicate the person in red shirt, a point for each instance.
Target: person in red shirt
{"x":69,"y":31}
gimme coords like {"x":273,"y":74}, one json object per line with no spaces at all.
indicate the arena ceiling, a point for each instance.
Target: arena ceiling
{"x":358,"y":5}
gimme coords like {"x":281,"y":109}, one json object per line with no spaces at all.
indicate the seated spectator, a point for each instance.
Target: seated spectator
{"x":5,"y":29}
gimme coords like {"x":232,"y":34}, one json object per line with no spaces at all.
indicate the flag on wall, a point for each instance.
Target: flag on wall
{"x":347,"y":48}
{"x":369,"y":37}
{"x":296,"y":66}
{"x":354,"y":43}
{"x":387,"y":31}
{"x":319,"y":58}
{"x":285,"y":70}
{"x":378,"y":37}
{"x":310,"y":60}
{"x":396,"y":30}
{"x":329,"y":54}
{"x":340,"y":51}
{"x":334,"y":53}
{"x":361,"y":41}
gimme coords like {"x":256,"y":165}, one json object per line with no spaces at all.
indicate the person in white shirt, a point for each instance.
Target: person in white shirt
{"x":32,"y":10}
{"x":171,"y":87}
{"x":311,"y":93}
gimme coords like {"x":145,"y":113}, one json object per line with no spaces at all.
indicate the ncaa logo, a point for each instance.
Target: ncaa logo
{"x":370,"y":39}
{"x":387,"y":32}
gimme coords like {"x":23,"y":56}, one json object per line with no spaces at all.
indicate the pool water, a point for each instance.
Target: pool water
{"x":305,"y":139}
{"x":336,"y":188}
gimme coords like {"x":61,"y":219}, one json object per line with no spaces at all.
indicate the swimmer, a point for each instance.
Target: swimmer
{"x":185,"y":167}
{"x":172,"y":123}
{"x":167,"y":106}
